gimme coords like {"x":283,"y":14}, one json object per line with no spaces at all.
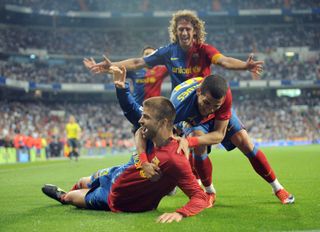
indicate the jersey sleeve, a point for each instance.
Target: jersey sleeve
{"x":212,"y":53}
{"x":130,"y":75}
{"x":164,"y":71}
{"x":224,"y":113}
{"x":131,"y":109}
{"x":179,"y":169}
{"x":157,"y":57}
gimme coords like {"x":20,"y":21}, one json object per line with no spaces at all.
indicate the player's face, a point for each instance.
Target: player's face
{"x":207,"y":104}
{"x":72,"y":119}
{"x":148,"y":51}
{"x":185,"y":33}
{"x":149,"y":123}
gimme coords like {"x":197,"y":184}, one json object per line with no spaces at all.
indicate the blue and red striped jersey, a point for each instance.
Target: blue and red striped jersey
{"x":183,"y":65}
{"x":132,"y":192}
{"x":185,"y":101}
{"x":147,"y":82}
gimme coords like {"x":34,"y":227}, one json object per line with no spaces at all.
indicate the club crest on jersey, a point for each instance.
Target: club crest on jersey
{"x":196,"y":69}
{"x":138,"y":164}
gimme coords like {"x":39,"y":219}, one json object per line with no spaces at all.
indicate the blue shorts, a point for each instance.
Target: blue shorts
{"x":234,"y":126}
{"x":102,"y":181}
{"x":73,"y":143}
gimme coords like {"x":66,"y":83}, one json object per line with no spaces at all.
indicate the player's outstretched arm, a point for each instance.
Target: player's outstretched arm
{"x":97,"y":68}
{"x":255,"y":67}
{"x":214,"y":137}
{"x":104,"y":66}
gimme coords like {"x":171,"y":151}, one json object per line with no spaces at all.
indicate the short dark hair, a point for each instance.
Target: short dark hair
{"x":162,"y":107}
{"x":147,"y":47}
{"x":216,"y":85}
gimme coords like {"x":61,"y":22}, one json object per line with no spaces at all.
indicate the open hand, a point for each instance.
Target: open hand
{"x":183,"y":146}
{"x":170,"y":217}
{"x":97,"y":68}
{"x":255,"y":67}
{"x":119,"y":76}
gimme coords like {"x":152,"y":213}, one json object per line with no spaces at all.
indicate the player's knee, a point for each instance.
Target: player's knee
{"x":242,"y":141}
{"x":80,"y":183}
{"x":83,"y":182}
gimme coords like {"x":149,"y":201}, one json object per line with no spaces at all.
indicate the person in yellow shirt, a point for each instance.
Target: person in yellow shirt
{"x":73,"y":132}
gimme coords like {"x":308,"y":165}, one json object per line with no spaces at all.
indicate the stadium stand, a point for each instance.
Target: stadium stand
{"x":244,"y":39}
{"x":51,"y":53}
{"x":104,"y":122}
{"x":42,"y":72}
{"x":153,"y":5}
{"x":101,"y":123}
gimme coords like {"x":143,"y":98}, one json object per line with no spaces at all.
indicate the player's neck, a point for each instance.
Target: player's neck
{"x":186,"y":48}
{"x":163,"y":138}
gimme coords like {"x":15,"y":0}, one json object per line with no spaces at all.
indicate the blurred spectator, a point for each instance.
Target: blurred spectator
{"x":55,"y":147}
{"x":100,"y":122}
{"x":154,"y":5}
{"x":105,"y":128}
{"x":41,"y":73}
{"x":76,"y":73}
{"x":95,"y":42}
{"x":282,"y":70}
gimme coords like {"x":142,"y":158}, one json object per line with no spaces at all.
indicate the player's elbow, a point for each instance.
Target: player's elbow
{"x":139,"y":63}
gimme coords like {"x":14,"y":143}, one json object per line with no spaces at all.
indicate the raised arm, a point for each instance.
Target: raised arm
{"x":104,"y":66}
{"x":131,"y":109}
{"x":256,"y":67}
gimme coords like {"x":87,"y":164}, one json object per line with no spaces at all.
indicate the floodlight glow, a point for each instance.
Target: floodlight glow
{"x":289,"y":54}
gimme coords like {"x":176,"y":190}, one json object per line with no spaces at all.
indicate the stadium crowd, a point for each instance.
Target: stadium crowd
{"x":41,"y":72}
{"x":67,"y":43}
{"x":101,"y":123}
{"x":76,"y":73}
{"x":153,"y":5}
{"x":280,"y":119}
{"x":81,"y":43}
{"x":104,"y":126}
{"x":282,"y":70}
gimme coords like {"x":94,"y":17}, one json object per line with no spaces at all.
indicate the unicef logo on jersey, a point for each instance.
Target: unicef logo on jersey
{"x":190,"y":70}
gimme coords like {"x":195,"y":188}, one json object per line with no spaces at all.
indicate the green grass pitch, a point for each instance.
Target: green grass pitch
{"x":244,"y":201}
